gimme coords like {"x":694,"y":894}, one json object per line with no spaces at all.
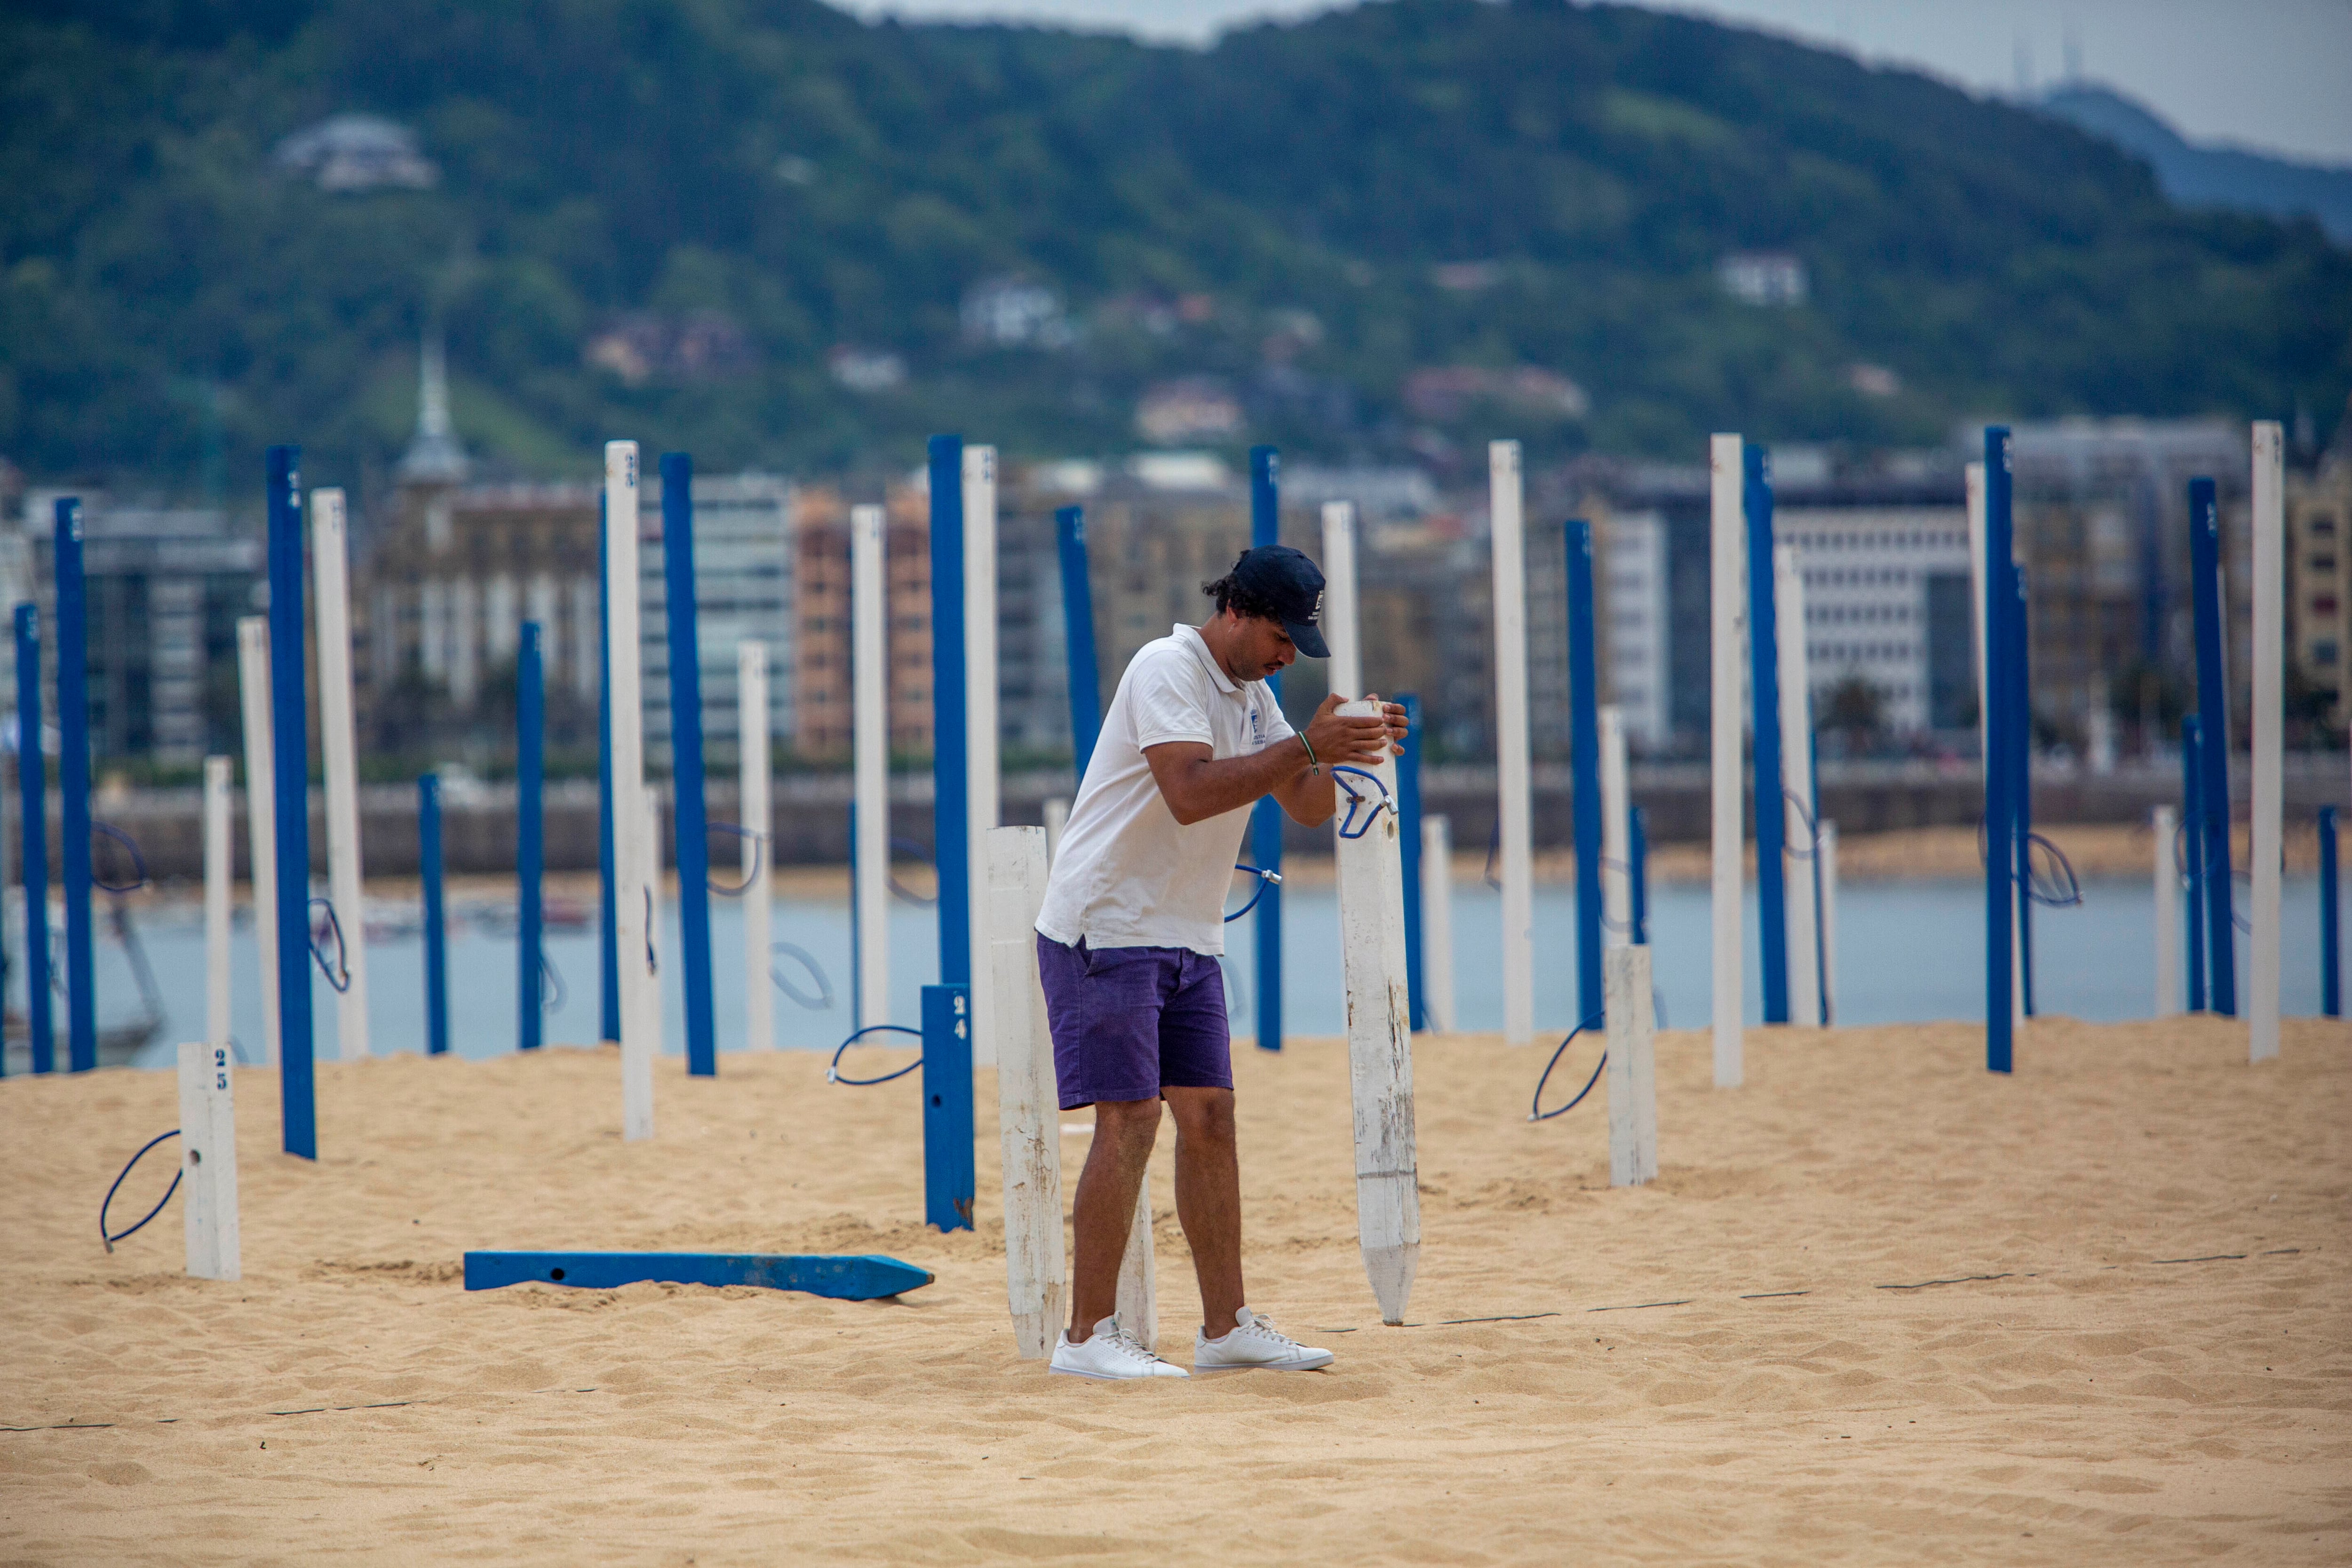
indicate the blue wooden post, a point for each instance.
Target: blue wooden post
{"x":1266,"y":819}
{"x":950,"y":783}
{"x":947,"y":1104}
{"x":1764,"y":692}
{"x":2001,"y":884}
{"x":2213,"y":714}
{"x":1408,"y":767}
{"x":686,"y":763}
{"x":73,"y":787}
{"x":1078,"y":636}
{"x":1584,"y":766}
{"x":530,"y":844}
{"x":1637,"y":845}
{"x":32,"y":792}
{"x":608,"y":935}
{"x":2020,"y":783}
{"x":437,"y":931}
{"x":2331,"y":937}
{"x":289,"y":732}
{"x":2192,"y":841}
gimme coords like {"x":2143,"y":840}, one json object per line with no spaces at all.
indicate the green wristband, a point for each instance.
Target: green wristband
{"x":1312,"y":765}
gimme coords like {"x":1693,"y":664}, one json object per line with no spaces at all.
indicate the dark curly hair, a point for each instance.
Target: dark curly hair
{"x":1229,"y":594}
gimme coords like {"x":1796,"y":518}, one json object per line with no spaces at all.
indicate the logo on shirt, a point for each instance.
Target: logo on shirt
{"x":1257,"y":726}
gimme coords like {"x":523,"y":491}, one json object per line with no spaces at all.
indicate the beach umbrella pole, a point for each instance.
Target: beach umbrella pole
{"x":1379,"y":1035}
{"x":869,"y":821}
{"x":260,"y":813}
{"x":758,"y":812}
{"x":290,"y":754}
{"x":436,"y":947}
{"x":331,"y":580}
{"x":636,"y":849}
{"x":208,"y":1161}
{"x":1726,"y":562}
{"x":33,"y":824}
{"x":220,"y":871}
{"x":530,"y":840}
{"x":2269,"y":720}
{"x":1632,"y":1029}
{"x":1507,"y":509}
{"x":1266,"y":817}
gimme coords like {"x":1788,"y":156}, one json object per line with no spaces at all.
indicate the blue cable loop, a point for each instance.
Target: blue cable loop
{"x":1349,"y":827}
{"x":551,"y":978}
{"x":898,"y":888}
{"x":2060,"y":891}
{"x":1494,"y":845}
{"x":1535,"y":1107}
{"x":832,"y":1068}
{"x":822,"y":999}
{"x":166,"y":1198}
{"x":342,"y":949}
{"x":137,"y":861}
{"x":1266,"y":879}
{"x":759,"y":853}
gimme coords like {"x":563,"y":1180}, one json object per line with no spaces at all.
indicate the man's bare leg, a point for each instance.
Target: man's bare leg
{"x":1208,"y":1200}
{"x":1104,"y":1211}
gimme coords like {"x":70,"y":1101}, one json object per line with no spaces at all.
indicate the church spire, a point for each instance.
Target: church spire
{"x":434,"y":456}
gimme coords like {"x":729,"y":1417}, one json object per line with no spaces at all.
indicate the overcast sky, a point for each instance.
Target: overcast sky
{"x":2274,"y":75}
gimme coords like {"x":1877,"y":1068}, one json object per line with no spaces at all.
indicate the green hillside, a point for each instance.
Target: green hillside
{"x":1308,"y":214}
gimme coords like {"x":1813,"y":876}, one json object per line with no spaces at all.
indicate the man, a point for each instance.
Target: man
{"x":1133,"y":923}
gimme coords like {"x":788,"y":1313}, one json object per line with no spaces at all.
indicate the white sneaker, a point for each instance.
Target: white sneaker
{"x":1110,"y":1352}
{"x":1254,"y":1343}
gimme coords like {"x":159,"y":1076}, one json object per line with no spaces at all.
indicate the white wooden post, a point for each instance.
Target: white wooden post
{"x":759,"y":821}
{"x":1727,"y":567}
{"x":1380,"y":1042}
{"x":331,"y":572}
{"x":1058,"y":818}
{"x":650,"y":860}
{"x":1506,"y":502}
{"x":1797,"y":783}
{"x":219,"y":869}
{"x":208,"y":1161}
{"x":260,"y":814}
{"x":1977,"y":528}
{"x":1829,"y":922}
{"x":980,"y":718}
{"x":637,"y":854}
{"x":1631,"y":1031}
{"x":2268,"y":723}
{"x":1345,"y":669}
{"x":1437,"y":922}
{"x":1139,"y":1280}
{"x":869,"y":620}
{"x":1616,"y":835}
{"x":2168,"y":915}
{"x":1029,"y":1119}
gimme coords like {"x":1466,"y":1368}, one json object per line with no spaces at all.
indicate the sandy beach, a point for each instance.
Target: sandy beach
{"x":1879,"y":1307}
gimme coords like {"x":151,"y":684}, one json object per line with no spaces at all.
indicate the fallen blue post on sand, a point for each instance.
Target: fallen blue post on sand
{"x":861,"y":1277}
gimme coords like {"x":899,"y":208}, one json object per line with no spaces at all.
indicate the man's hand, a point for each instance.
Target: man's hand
{"x":1361,"y":743}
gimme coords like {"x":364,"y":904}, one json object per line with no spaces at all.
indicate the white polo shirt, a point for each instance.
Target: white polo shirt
{"x":1127,"y":874}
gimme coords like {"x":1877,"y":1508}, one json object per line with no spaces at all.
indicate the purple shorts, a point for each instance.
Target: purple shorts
{"x":1129,"y":1021}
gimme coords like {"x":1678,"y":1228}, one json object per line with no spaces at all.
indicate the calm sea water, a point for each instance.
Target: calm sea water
{"x":1909,"y":951}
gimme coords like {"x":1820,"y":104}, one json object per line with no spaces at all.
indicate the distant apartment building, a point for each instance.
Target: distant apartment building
{"x":2319,"y":576}
{"x":163,"y":589}
{"x":823,"y":673}
{"x":455,"y":572}
{"x":2102,"y":527}
{"x":1885,"y":567}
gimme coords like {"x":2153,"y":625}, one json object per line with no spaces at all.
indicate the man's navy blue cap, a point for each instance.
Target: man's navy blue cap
{"x":1294,"y":585}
